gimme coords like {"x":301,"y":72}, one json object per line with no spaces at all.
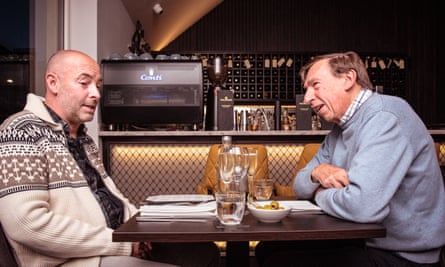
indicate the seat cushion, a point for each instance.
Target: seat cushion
{"x":208,"y":183}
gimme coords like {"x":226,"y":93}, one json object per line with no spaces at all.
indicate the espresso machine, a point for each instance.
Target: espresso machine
{"x":152,"y":94}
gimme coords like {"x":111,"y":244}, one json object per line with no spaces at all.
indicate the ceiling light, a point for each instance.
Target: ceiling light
{"x":157,"y":8}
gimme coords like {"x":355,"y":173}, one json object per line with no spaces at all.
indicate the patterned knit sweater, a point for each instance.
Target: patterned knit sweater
{"x":48,"y":212}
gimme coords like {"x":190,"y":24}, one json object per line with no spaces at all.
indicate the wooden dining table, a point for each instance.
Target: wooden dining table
{"x":296,"y":226}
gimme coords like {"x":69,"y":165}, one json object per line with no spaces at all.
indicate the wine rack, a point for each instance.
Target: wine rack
{"x":262,"y":78}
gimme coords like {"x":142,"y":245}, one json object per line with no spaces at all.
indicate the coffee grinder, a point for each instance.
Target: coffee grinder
{"x":219,"y":109}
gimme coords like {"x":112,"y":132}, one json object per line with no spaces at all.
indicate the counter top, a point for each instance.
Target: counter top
{"x":215,"y":133}
{"x":437,"y":134}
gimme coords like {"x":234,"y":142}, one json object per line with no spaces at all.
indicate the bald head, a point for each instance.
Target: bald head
{"x":73,"y":80}
{"x":63,"y":59}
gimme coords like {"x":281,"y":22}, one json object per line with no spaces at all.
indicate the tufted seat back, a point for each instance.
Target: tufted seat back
{"x":208,"y":184}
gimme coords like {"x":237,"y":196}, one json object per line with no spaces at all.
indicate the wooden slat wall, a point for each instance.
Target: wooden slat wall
{"x":380,"y":26}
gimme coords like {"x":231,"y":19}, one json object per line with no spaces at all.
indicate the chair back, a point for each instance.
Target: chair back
{"x":7,"y":255}
{"x":209,"y":181}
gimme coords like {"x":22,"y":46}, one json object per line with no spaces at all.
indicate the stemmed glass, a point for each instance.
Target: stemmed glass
{"x":241,"y":167}
{"x":253,"y":165}
{"x":225,"y":166}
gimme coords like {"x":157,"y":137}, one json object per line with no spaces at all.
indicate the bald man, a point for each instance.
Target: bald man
{"x":58,"y":206}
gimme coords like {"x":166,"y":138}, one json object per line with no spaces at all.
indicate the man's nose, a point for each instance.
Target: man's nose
{"x":308,"y":95}
{"x":95,"y":92}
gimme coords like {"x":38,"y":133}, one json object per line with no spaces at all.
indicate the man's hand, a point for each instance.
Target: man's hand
{"x":141,"y":250}
{"x":330,"y":176}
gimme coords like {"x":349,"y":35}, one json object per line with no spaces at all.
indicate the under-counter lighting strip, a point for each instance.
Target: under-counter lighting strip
{"x":140,"y":170}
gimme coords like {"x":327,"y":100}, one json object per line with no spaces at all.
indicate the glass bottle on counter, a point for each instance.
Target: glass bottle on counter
{"x":277,"y":113}
{"x":285,"y":124}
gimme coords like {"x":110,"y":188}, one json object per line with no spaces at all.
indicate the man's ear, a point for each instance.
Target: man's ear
{"x":52,"y":82}
{"x":350,"y":78}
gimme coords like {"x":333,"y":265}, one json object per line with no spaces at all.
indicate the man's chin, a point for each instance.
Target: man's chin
{"x":88,"y":117}
{"x":326,"y":118}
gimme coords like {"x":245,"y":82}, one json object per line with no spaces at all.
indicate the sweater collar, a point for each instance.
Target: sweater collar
{"x":362,"y":96}
{"x":66,"y":127}
{"x":36,"y":105}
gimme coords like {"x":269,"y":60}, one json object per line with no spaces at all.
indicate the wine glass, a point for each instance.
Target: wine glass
{"x":225,"y":166}
{"x":253,"y":165}
{"x":241,"y":166}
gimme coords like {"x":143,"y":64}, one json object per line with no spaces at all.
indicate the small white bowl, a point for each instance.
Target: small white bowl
{"x":131,"y":56}
{"x":162,"y":57}
{"x":269,"y":215}
{"x":175,"y":56}
{"x":146,"y":56}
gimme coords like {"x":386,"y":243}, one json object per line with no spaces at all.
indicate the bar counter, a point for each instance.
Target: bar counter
{"x":215,"y":136}
{"x":438,"y":135}
{"x":146,"y":163}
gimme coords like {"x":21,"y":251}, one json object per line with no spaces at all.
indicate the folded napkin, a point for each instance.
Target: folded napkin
{"x":302,"y":206}
{"x":200,"y":210}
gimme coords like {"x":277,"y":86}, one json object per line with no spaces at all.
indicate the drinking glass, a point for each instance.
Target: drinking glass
{"x":241,"y":166}
{"x":253,"y":165}
{"x":230,"y":207}
{"x":263,"y":189}
{"x":225,"y":168}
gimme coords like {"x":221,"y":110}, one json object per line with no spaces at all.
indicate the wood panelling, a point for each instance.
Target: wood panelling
{"x":380,"y":26}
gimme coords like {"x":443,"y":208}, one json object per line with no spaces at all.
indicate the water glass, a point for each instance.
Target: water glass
{"x":225,"y":167}
{"x":263,"y":189}
{"x":230,"y":207}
